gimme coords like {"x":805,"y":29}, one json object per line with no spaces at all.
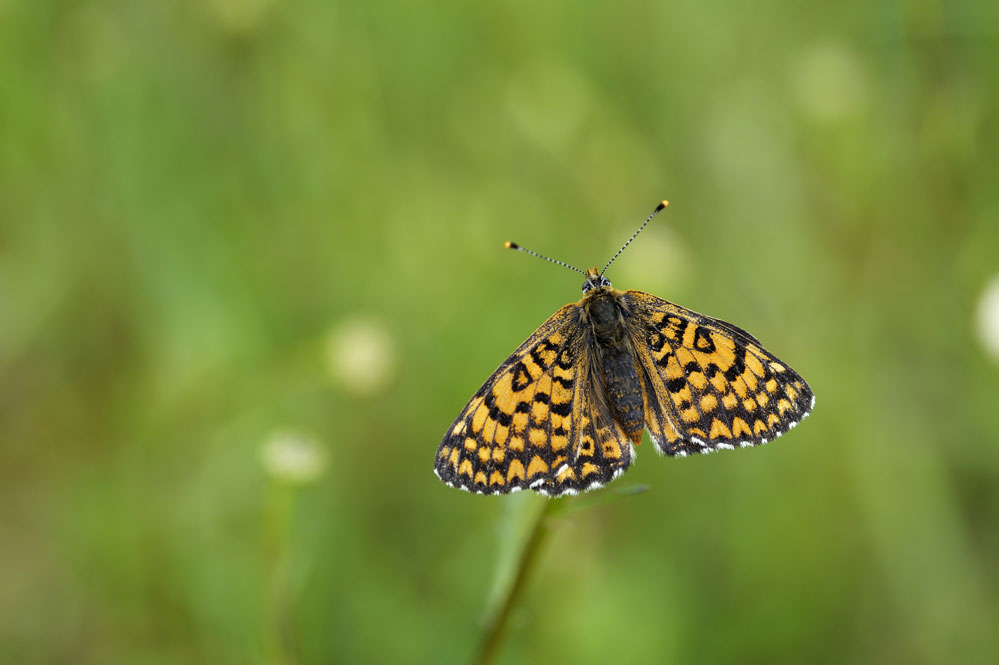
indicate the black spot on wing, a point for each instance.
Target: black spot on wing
{"x":565,"y":360}
{"x":656,"y":340}
{"x":500,"y":417}
{"x":739,"y":365}
{"x":703,"y":341}
{"x":521,"y":377}
{"x":676,"y":385}
{"x":565,"y":383}
{"x":678,"y":324}
{"x":536,"y":355}
{"x":562,"y":409}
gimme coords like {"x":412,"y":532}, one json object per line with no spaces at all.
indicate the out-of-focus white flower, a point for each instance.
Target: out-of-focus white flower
{"x":829,"y":83}
{"x":988,"y":318}
{"x":360,"y":356}
{"x":293,"y":457}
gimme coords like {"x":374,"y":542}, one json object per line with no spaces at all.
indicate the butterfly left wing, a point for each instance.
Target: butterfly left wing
{"x":709,"y":384}
{"x":539,"y":422}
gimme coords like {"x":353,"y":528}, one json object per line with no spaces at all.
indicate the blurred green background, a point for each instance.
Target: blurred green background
{"x":251,"y":266}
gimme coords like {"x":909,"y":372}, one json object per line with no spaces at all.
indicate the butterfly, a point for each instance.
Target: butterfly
{"x":564,"y":412}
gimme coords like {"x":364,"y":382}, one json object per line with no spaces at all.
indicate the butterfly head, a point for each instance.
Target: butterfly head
{"x":594,"y":280}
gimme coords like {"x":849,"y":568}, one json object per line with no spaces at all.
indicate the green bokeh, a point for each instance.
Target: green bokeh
{"x":202,"y":201}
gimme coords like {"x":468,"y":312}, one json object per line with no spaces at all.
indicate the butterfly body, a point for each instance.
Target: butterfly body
{"x":563,"y":413}
{"x":604,"y":315}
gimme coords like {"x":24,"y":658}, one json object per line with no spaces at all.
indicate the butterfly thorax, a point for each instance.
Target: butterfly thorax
{"x":604,"y":314}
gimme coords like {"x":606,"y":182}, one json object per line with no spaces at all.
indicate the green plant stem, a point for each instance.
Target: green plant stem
{"x":278,"y":518}
{"x":500,"y":613}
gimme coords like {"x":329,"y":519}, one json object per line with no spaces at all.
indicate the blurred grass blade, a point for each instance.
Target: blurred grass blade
{"x":498,"y":612}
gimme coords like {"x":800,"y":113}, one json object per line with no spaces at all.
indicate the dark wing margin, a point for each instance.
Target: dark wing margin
{"x":709,"y":385}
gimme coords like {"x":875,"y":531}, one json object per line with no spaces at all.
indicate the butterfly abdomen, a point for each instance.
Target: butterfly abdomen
{"x":616,"y":362}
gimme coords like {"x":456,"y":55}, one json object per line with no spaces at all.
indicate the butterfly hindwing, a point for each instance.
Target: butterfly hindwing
{"x":538,"y":422}
{"x":709,"y":385}
{"x":604,"y":451}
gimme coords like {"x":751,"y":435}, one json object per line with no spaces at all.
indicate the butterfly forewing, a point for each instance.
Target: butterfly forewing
{"x":709,"y":385}
{"x":536,"y":422}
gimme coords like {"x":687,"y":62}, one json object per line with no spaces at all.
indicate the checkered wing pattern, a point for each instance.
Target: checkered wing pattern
{"x":709,"y":385}
{"x":540,"y":422}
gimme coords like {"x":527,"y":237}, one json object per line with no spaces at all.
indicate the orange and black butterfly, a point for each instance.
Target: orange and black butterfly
{"x":563,"y":413}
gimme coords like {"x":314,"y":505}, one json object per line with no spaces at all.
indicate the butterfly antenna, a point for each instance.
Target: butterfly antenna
{"x":513,"y":245}
{"x":649,"y":219}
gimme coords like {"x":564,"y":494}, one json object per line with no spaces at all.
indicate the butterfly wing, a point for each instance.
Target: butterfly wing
{"x":539,"y":422}
{"x":709,"y":384}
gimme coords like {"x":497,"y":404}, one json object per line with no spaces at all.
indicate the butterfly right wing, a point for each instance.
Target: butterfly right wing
{"x":539,"y":422}
{"x":710,"y":384}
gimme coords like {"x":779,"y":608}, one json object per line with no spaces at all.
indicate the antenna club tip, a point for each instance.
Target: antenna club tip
{"x":662,"y":204}
{"x":511,"y":245}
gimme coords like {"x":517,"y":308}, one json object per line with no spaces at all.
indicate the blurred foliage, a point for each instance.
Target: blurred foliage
{"x":251,"y":266}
